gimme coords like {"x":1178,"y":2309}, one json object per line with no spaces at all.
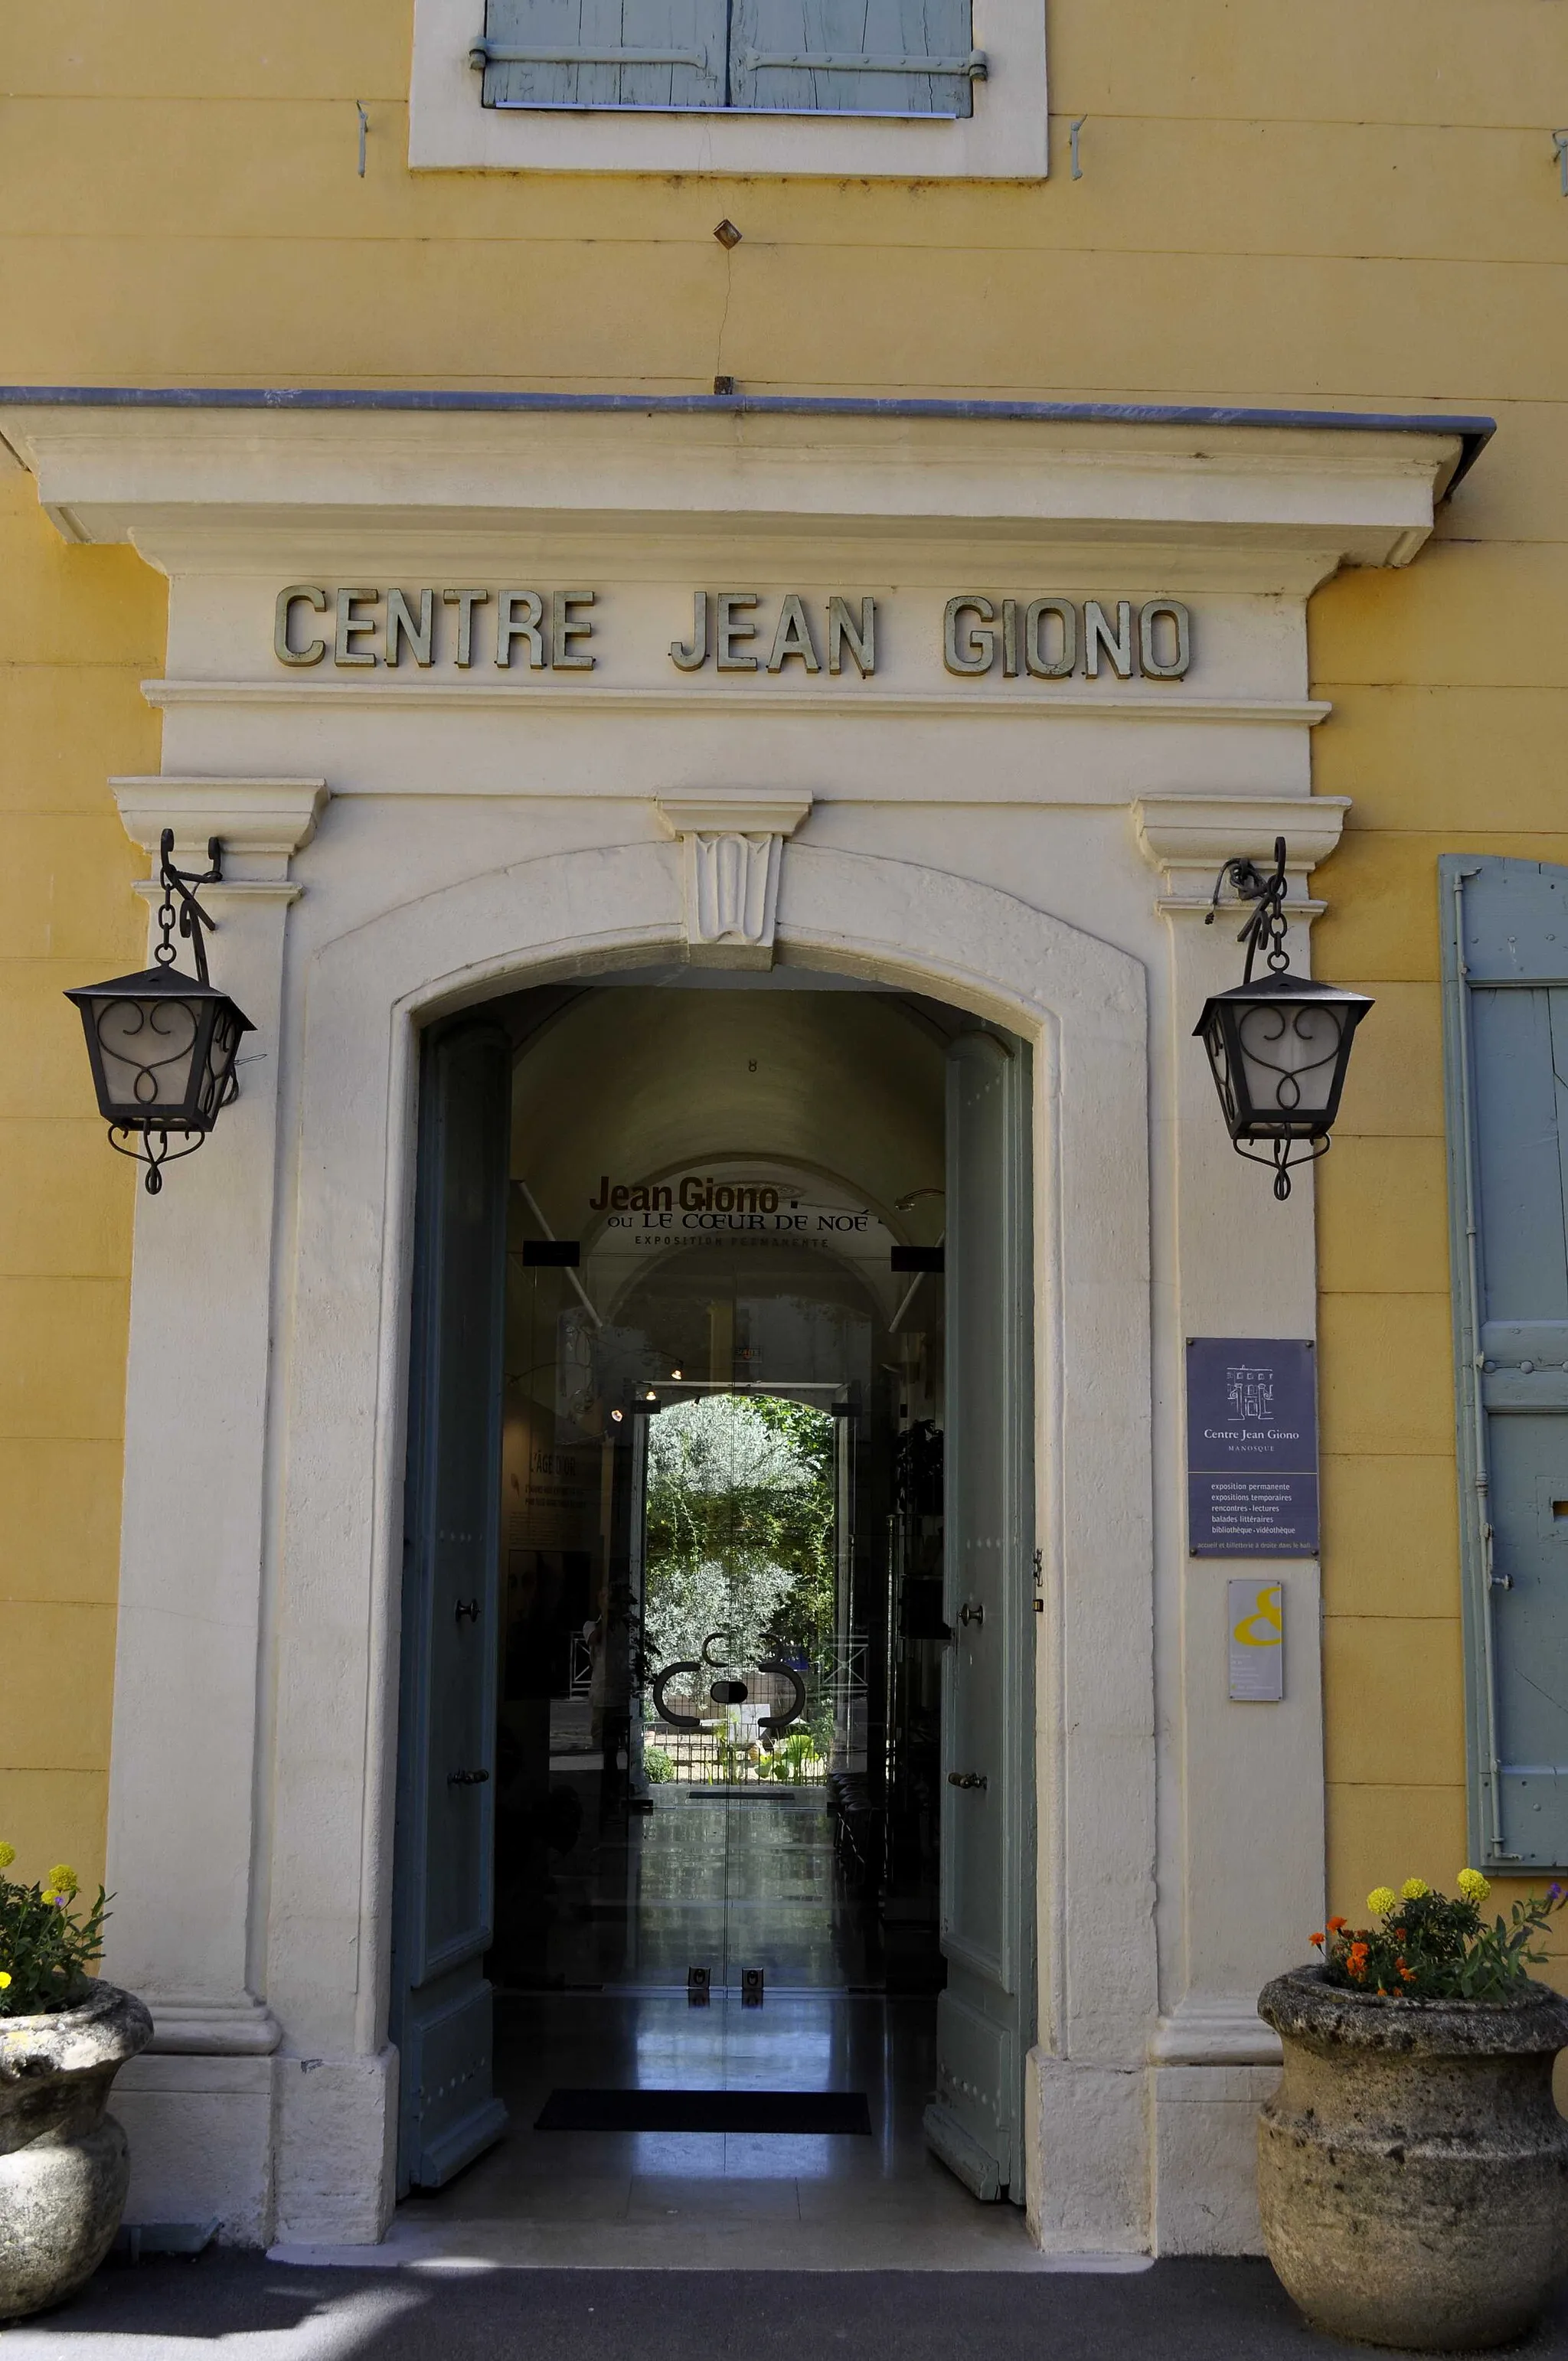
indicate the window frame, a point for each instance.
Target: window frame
{"x":1006,"y":136}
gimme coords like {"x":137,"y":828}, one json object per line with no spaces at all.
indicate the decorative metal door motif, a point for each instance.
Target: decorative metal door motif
{"x":974,"y":2122}
{"x":441,"y":2013}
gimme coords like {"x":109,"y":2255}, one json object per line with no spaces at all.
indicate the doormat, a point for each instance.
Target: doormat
{"x":706,"y":2111}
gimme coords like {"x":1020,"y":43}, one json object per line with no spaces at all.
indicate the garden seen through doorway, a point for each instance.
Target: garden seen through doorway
{"x":739,"y":1574}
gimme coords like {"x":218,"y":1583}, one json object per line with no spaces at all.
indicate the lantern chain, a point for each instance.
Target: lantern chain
{"x":1268,"y":923}
{"x":180,"y":903}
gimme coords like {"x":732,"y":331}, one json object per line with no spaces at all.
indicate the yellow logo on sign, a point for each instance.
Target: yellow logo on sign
{"x":1263,"y":1626}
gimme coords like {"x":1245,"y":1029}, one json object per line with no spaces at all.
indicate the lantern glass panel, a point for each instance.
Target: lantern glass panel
{"x":1216,"y":1041}
{"x":213,"y":1091}
{"x":1286,"y":1059}
{"x":149,"y":1051}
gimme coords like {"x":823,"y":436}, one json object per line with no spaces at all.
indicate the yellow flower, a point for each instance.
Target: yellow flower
{"x":1413,"y":1888}
{"x":63,"y":1880}
{"x":7,"y":1855}
{"x":1381,"y":1900}
{"x":1473,"y":1885}
{"x":4,"y":1981}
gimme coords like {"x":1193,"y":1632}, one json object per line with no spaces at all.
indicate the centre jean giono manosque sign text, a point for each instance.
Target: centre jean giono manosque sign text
{"x":732,"y":631}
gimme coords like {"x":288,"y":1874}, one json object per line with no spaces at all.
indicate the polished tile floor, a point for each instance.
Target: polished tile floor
{"x":713,"y":2200}
{"x":725,"y":1882}
{"x":708,"y":1878}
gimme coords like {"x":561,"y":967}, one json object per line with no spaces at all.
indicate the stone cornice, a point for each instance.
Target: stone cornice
{"x":261,"y":822}
{"x":1187,"y":839}
{"x":1280,"y":504}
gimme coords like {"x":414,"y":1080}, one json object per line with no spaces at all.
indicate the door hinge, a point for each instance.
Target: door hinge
{"x":973,"y":67}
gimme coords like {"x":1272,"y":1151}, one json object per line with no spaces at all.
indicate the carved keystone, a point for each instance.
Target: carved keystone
{"x":731,"y":851}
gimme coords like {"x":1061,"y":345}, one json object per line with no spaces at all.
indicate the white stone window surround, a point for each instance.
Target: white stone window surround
{"x":1006,"y":139}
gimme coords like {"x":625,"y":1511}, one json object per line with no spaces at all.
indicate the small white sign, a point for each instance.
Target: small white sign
{"x":1256,"y":1616}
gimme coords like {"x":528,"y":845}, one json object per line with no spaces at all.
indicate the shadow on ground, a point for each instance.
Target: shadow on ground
{"x":1179,"y":2311}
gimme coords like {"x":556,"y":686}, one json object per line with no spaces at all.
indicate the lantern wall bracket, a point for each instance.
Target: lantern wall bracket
{"x":1267,"y":921}
{"x":1245,"y":880}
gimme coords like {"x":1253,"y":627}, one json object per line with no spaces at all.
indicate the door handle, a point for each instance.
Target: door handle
{"x":466,"y":1778}
{"x":966,"y":1779}
{"x":975,"y":1614}
{"x":467,"y":1611}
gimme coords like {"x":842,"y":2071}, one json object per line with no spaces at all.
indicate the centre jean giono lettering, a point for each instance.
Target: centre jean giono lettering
{"x":904,"y":1222}
{"x":1044,"y":639}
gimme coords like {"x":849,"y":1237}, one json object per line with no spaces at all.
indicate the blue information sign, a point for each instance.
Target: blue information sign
{"x":1252,"y":1447}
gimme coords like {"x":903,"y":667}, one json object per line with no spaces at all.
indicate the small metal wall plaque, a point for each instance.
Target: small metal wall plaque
{"x":1252,"y":1447}
{"x":1255,"y":1614}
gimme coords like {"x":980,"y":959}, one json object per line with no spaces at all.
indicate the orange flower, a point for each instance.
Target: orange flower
{"x":1409,"y":1973}
{"x":1317,"y":1939}
{"x":1336,"y":1926}
{"x":1357,"y":1960}
{"x":1399,"y":1937}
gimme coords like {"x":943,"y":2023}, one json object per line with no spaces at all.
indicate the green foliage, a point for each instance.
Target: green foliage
{"x":794,"y":1761}
{"x":1426,"y":1946}
{"x":734,"y":1757}
{"x":739,"y":1528}
{"x":802,"y":1623}
{"x":45,"y":1946}
{"x":658,"y":1767}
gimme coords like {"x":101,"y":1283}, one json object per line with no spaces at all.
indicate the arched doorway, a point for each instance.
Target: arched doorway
{"x":678,"y":1246}
{"x":337,"y":1430}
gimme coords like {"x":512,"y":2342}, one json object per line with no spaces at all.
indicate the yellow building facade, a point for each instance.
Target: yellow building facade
{"x":1350,"y":209}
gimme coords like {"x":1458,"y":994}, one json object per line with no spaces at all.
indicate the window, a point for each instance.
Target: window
{"x":795,"y":57}
{"x":891,"y":89}
{"x":1506,"y":1013}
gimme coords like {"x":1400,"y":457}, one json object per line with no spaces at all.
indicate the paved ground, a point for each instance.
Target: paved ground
{"x":244,"y":2308}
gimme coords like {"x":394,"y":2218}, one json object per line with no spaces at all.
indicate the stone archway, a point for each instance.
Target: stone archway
{"x":323,"y":1568}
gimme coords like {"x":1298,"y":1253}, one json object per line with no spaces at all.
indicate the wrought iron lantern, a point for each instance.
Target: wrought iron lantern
{"x":162,"y":1044}
{"x":1279,"y":1046}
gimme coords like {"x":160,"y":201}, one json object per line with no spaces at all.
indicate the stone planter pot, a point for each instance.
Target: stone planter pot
{"x":1412,"y":2170}
{"x":64,"y":2164}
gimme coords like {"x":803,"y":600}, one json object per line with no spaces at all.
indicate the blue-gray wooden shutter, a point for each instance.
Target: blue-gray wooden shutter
{"x":603,"y":53}
{"x":1506,"y":978}
{"x":444,"y":1878}
{"x":854,"y":57}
